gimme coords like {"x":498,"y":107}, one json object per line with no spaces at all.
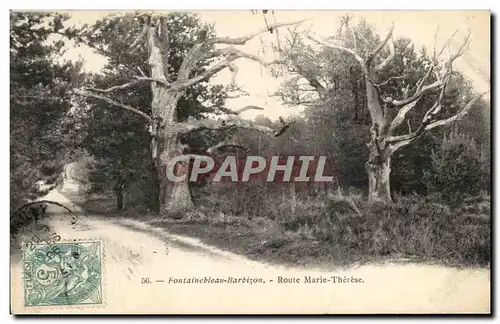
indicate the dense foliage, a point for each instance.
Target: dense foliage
{"x":39,"y":129}
{"x":119,"y":140}
{"x":456,"y":170}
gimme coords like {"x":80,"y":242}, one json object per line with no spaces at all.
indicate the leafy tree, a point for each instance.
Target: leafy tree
{"x":174,"y":56}
{"x":120,"y":140}
{"x":456,"y":169}
{"x":39,"y":132}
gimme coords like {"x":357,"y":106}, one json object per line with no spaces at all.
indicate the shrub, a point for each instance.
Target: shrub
{"x":456,"y":170}
{"x":344,"y":229}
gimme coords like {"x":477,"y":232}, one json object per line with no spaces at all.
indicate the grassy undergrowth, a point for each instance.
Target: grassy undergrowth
{"x":337,"y":230}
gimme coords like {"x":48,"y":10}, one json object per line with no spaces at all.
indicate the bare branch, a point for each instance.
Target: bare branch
{"x":139,"y":37}
{"x":401,"y":116}
{"x":160,"y":81}
{"x":396,"y":142}
{"x":234,"y":70}
{"x":399,"y":141}
{"x":128,"y":85}
{"x":406,"y":92}
{"x":196,"y":53}
{"x":189,"y":62}
{"x":442,"y":79}
{"x":240,"y":54}
{"x":235,"y":54}
{"x":409,"y":126}
{"x":193,"y":125}
{"x":354,"y":39}
{"x":363,"y":37}
{"x":345,"y":49}
{"x":396,"y":146}
{"x":418,"y":94}
{"x":242,"y":93}
{"x":374,"y":53}
{"x":200,"y":77}
{"x":391,"y":79}
{"x":242,"y":40}
{"x":113,"y":88}
{"x":142,"y":73}
{"x":225,"y":144}
{"x":218,"y":52}
{"x":114,"y":103}
{"x":435,"y":42}
{"x":436,"y":107}
{"x":239,"y":111}
{"x":392,"y":54}
{"x":460,"y":51}
{"x":458,"y":116}
{"x":299,"y":102}
{"x":429,"y":120}
{"x":446,"y":44}
{"x":421,"y":82}
{"x":250,"y":107}
{"x":312,"y":81}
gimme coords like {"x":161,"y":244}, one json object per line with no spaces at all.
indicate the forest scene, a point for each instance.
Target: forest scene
{"x":406,"y":134}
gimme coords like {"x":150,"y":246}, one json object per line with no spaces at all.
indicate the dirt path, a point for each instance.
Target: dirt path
{"x":133,"y":251}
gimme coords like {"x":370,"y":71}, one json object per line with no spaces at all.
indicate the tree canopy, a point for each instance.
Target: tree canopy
{"x":39,"y":103}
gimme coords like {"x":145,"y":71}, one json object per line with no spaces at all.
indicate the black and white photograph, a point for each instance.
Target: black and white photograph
{"x":260,"y":162}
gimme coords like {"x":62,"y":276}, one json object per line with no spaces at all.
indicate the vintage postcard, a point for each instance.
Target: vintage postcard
{"x":250,"y":162}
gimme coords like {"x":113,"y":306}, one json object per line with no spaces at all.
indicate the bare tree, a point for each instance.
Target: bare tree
{"x":383,"y":138}
{"x":166,"y":131}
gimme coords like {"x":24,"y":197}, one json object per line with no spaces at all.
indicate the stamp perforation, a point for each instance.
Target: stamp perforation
{"x":76,"y":306}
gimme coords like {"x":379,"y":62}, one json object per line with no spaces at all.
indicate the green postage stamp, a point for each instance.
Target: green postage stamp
{"x":62,"y":273}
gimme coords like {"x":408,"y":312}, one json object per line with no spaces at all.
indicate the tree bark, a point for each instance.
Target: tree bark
{"x":153,"y":201}
{"x":119,"y":199}
{"x":119,"y":193}
{"x":174,"y":197}
{"x":379,"y":171}
{"x":378,"y":164}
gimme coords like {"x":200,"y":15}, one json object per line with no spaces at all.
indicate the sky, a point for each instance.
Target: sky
{"x":420,"y":26}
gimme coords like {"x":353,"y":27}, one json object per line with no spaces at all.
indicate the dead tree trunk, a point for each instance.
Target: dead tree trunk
{"x":173,"y":197}
{"x":166,"y":131}
{"x":379,"y":171}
